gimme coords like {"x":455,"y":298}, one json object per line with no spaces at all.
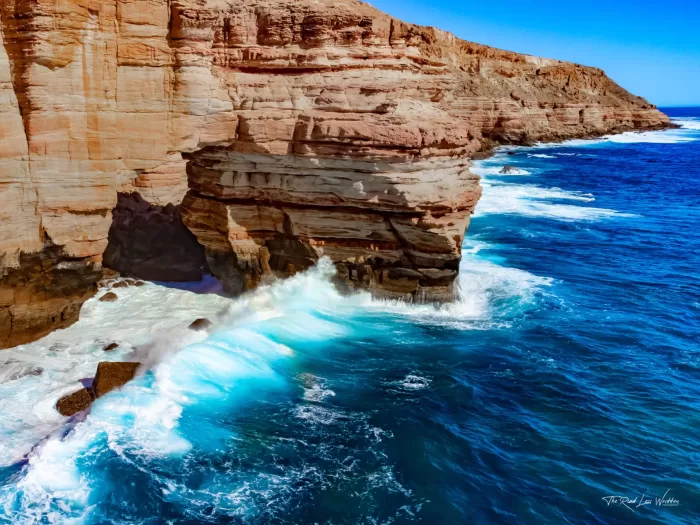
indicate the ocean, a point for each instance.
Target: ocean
{"x":562,"y":388}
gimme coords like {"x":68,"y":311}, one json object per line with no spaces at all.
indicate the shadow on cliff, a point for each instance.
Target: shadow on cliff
{"x":150,"y":242}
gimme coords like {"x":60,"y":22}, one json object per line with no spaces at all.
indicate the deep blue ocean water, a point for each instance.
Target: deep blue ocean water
{"x":569,"y":372}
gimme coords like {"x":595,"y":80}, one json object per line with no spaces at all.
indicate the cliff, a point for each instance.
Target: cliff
{"x":280,"y":130}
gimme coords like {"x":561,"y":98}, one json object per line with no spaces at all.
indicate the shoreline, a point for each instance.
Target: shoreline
{"x":490,"y":146}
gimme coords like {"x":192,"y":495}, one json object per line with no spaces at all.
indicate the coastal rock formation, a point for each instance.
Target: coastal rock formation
{"x":71,"y":404}
{"x":112,"y":375}
{"x":109,"y":376}
{"x":286,"y":130}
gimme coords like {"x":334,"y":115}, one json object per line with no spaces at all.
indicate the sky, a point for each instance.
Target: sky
{"x":650,"y":47}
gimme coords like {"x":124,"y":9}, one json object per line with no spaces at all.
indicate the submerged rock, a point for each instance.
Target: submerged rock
{"x":76,"y":402}
{"x":112,"y":375}
{"x":32,"y":371}
{"x":109,"y":297}
{"x":200,"y":324}
{"x":110,"y":347}
{"x":508,"y":170}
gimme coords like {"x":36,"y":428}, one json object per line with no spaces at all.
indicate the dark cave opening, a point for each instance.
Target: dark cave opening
{"x":150,"y":242}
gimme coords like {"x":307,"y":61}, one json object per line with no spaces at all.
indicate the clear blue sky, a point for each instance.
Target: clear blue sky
{"x":650,"y":47}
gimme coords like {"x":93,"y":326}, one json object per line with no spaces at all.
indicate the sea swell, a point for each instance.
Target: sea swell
{"x":248,"y":356}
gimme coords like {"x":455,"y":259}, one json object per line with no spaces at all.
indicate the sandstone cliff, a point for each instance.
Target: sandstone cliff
{"x":284,"y":130}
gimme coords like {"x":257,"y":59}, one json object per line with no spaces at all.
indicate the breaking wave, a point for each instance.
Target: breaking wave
{"x":379,"y":411}
{"x":536,"y":201}
{"x":257,"y":340}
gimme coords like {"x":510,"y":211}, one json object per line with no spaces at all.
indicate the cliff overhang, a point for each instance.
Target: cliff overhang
{"x":280,"y":131}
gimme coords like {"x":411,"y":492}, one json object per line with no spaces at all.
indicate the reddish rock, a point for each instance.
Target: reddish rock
{"x":109,"y":376}
{"x":112,"y":375}
{"x":200,"y":325}
{"x":76,"y":402}
{"x":110,"y":347}
{"x":300,"y":128}
{"x":109,"y":297}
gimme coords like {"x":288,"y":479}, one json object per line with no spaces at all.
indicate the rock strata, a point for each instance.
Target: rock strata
{"x":280,"y":131}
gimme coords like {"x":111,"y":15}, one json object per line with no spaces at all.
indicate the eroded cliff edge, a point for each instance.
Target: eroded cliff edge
{"x":283,"y":131}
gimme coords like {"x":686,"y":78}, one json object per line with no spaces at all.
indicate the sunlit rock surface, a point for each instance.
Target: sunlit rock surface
{"x":296,"y":129}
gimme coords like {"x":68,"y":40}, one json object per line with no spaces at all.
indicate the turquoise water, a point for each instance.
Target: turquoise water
{"x":568,"y":372}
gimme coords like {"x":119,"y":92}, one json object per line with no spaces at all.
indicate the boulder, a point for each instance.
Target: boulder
{"x":109,"y":297}
{"x":76,"y":402}
{"x":112,"y":375}
{"x":120,"y":284}
{"x":110,"y":347}
{"x":109,"y":376}
{"x":508,"y":170}
{"x":200,"y":325}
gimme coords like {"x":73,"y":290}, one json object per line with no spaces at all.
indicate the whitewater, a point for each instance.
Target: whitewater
{"x":303,"y":405}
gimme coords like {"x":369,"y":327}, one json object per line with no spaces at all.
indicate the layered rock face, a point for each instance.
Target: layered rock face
{"x":287,"y":130}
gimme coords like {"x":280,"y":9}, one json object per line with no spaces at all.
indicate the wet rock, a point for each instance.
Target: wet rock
{"x":76,"y":402}
{"x":110,"y":376}
{"x":508,"y":170}
{"x":109,"y":297}
{"x":110,"y":274}
{"x":110,"y":347}
{"x":120,"y":284}
{"x":139,"y":283}
{"x":200,"y":324}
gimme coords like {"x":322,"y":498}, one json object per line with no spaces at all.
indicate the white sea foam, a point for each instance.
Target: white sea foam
{"x":673,"y":136}
{"x":413,"y":382}
{"x":691,"y":123}
{"x":687,"y":133}
{"x":536,"y":201}
{"x":315,"y":389}
{"x":541,"y":156}
{"x":153,"y":317}
{"x":143,"y":417}
{"x":192,"y":369}
{"x":498,"y":171}
{"x":484,"y":285}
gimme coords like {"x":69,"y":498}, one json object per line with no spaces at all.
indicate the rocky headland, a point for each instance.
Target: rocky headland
{"x":275,"y":131}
